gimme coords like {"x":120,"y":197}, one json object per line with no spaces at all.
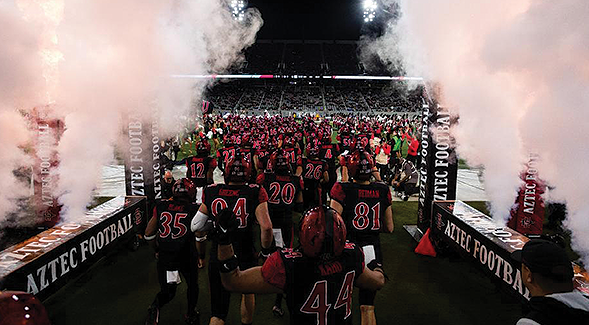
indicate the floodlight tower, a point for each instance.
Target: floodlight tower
{"x":370,"y":8}
{"x":238,"y":9}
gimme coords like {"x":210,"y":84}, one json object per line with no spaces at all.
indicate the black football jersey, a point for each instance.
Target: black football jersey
{"x":243,"y":201}
{"x":282,"y":191}
{"x":346,"y":142}
{"x":316,"y":292}
{"x":294,"y":156}
{"x":329,"y":153}
{"x":197,"y":169}
{"x":247,"y":153}
{"x":224,"y":155}
{"x":313,"y":172}
{"x":364,"y":208}
{"x":364,"y":140}
{"x":263,"y":156}
{"x":175,"y":240}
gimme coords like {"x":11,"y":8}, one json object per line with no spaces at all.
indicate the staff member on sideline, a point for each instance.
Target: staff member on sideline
{"x":548,"y":274}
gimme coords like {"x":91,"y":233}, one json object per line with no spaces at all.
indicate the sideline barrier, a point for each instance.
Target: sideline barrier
{"x":477,"y":237}
{"x":44,"y":263}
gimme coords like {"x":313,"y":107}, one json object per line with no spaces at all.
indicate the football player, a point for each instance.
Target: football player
{"x":246,"y":202}
{"x":226,"y":153}
{"x":357,"y":146}
{"x":168,"y":231}
{"x":315,"y":174}
{"x":294,"y":155}
{"x":329,"y":152}
{"x":317,"y":277}
{"x":285,"y":195}
{"x":367,"y":211}
{"x":199,"y":169}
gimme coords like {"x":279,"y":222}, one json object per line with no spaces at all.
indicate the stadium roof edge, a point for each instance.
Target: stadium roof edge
{"x":302,"y":41}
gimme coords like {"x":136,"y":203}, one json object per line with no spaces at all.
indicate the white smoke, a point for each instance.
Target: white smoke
{"x":517,"y":74}
{"x":117,"y":58}
{"x":19,"y":88}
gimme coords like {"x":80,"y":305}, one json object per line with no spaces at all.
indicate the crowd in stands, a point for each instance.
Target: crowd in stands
{"x":276,"y":96}
{"x":299,"y":58}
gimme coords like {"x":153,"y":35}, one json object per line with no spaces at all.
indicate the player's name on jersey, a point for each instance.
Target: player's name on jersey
{"x":369,"y":193}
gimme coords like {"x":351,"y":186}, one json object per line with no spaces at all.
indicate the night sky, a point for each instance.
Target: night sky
{"x":310,"y":20}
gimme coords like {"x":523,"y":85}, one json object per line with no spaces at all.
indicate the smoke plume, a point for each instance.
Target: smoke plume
{"x":517,"y":74}
{"x":19,"y":87}
{"x":115,"y":59}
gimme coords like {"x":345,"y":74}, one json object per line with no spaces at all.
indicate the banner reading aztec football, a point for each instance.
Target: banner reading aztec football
{"x":143,"y":166}
{"x":142,"y":158}
{"x":489,"y":245}
{"x":45,"y":262}
{"x":45,"y":162}
{"x":438,"y":166}
{"x":528,"y":215}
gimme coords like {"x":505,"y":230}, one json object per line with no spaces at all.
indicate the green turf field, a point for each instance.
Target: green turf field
{"x":421,"y":290}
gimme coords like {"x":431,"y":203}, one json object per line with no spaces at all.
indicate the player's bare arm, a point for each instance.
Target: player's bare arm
{"x":263,"y":218}
{"x":388,"y":219}
{"x":371,"y":280}
{"x":248,"y":281}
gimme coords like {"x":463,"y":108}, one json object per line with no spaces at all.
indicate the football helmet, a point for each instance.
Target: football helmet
{"x":184,"y":190}
{"x":279,"y":163}
{"x":21,"y":308}
{"x":360,"y":165}
{"x":203,"y":148}
{"x":322,"y":233}
{"x":238,"y":169}
{"x":313,"y":149}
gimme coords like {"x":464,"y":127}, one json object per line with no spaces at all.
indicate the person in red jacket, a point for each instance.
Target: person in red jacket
{"x":412,"y":149}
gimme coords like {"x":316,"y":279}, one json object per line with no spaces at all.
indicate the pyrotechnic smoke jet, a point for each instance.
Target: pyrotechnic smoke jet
{"x":103,"y":60}
{"x":517,"y":74}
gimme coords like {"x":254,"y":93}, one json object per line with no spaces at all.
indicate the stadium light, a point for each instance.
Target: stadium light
{"x":238,"y":9}
{"x":370,"y":7}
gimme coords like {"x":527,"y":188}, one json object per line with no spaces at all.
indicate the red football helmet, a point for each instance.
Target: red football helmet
{"x":21,"y":308}
{"x":322,"y":233}
{"x":279,"y":163}
{"x":203,"y":147}
{"x":358,"y":145}
{"x":227,"y":141}
{"x":326,"y":137}
{"x":184,"y":190}
{"x":313,"y":149}
{"x":360,"y":165}
{"x":238,"y":169}
{"x":246,"y":141}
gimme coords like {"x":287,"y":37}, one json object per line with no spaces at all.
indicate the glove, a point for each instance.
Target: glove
{"x":226,"y":224}
{"x":265,"y":252}
{"x":376,"y":265}
{"x":373,"y":265}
